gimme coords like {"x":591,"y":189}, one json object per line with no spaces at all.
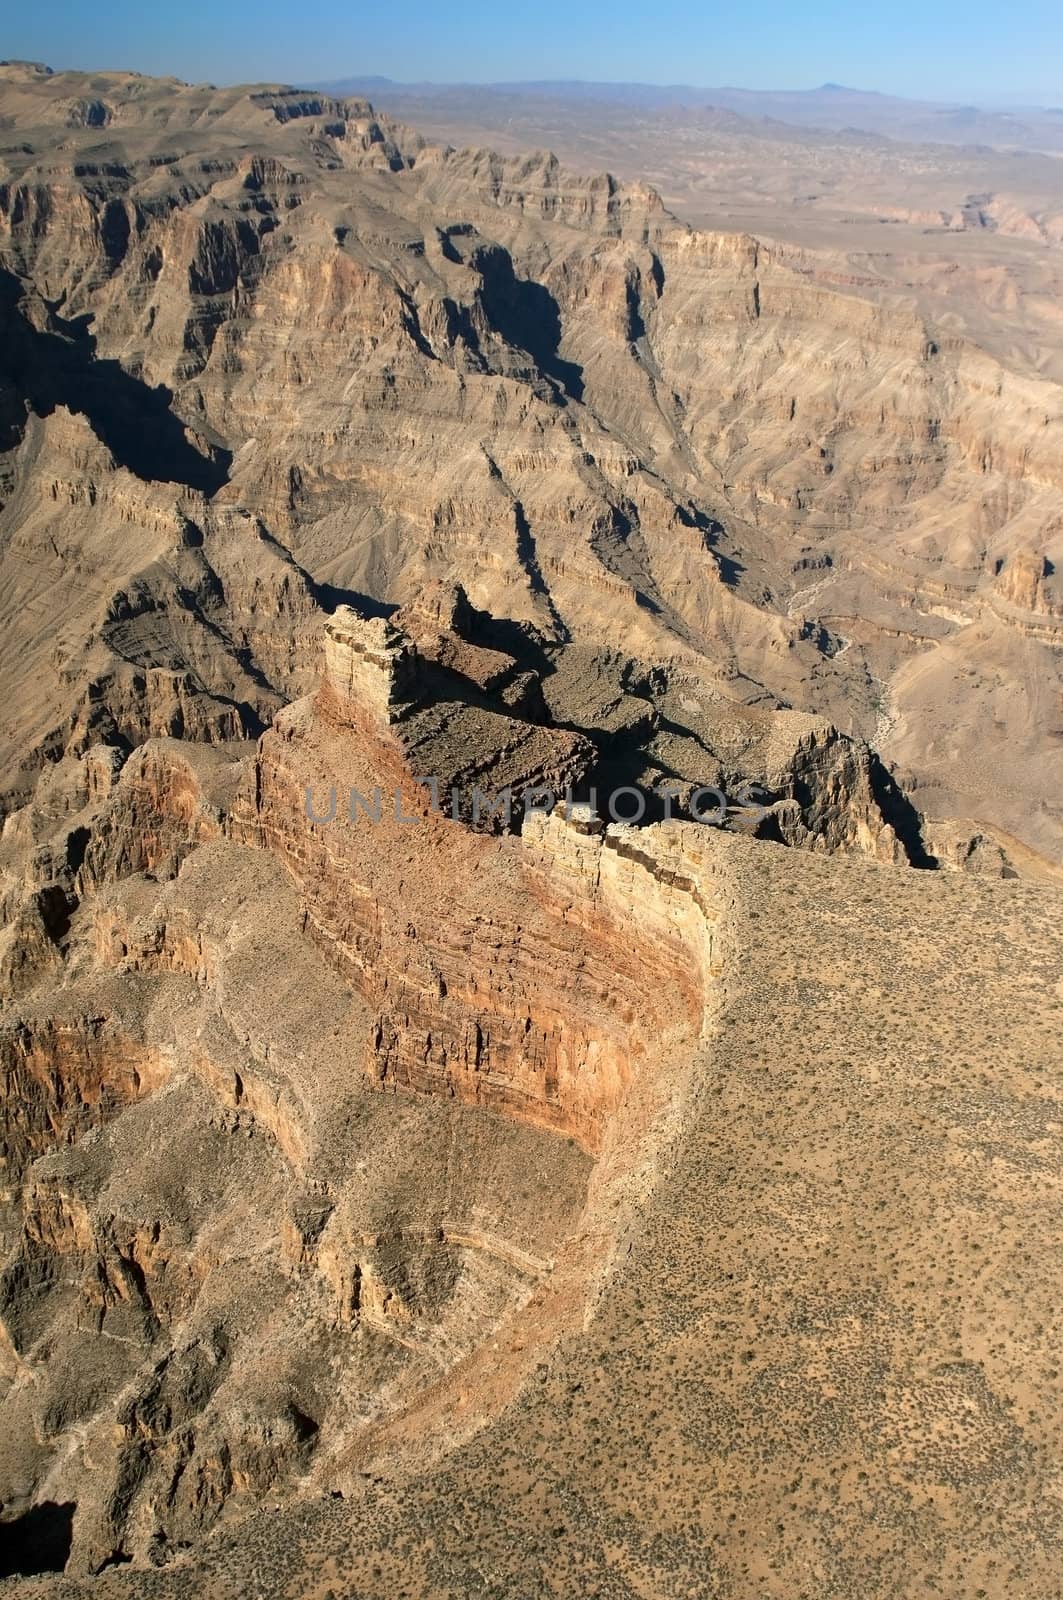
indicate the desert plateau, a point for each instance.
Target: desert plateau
{"x":531,"y":872}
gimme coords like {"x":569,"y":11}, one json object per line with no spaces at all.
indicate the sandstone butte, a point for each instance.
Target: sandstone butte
{"x":421,"y":1205}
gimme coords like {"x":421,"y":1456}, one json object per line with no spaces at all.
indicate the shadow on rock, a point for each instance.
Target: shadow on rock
{"x":58,"y":366}
{"x":38,"y":1541}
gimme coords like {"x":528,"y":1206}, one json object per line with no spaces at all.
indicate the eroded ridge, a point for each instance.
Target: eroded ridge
{"x":234,"y":1265}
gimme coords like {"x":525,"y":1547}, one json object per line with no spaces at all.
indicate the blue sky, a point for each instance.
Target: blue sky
{"x":981,"y":49}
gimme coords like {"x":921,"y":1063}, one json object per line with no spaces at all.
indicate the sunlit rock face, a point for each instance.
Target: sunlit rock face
{"x":412,"y":1176}
{"x":327,"y":362}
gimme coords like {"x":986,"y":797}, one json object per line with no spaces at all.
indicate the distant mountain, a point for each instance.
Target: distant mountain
{"x":832,"y":107}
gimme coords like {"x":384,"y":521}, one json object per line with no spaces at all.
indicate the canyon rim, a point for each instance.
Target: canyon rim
{"x":523,"y":1189}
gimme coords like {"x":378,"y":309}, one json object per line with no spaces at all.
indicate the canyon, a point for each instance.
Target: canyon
{"x":420,"y":1200}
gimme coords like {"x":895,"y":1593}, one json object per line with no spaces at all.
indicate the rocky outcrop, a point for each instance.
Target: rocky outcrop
{"x":836,"y":795}
{"x":495,"y":997}
{"x":370,"y":671}
{"x":169,"y":798}
{"x":62,"y":1078}
{"x":1023,"y":582}
{"x":457,"y":731}
{"x":543,"y":1017}
{"x":349,"y":1046}
{"x":624,"y":430}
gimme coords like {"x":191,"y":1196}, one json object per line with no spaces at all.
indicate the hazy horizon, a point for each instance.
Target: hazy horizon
{"x":1048,"y":99}
{"x":971,"y":53}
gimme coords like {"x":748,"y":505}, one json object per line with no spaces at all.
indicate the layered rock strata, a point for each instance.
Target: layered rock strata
{"x":626,"y":432}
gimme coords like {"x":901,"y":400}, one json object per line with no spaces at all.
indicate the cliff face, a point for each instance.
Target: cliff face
{"x":305,"y":1116}
{"x":373,"y":519}
{"x":194,"y":1007}
{"x":60,"y":1080}
{"x":542,"y":997}
{"x":626,"y":432}
{"x":226,"y":962}
{"x":487,"y":983}
{"x":323,"y":1137}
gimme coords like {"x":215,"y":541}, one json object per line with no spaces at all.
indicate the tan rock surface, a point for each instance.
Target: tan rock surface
{"x":404,"y":1202}
{"x":647,"y":1097}
{"x":392,"y":364}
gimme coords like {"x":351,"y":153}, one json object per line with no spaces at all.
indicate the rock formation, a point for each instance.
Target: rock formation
{"x":331,"y":361}
{"x":237,"y":973}
{"x":421,"y":1172}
